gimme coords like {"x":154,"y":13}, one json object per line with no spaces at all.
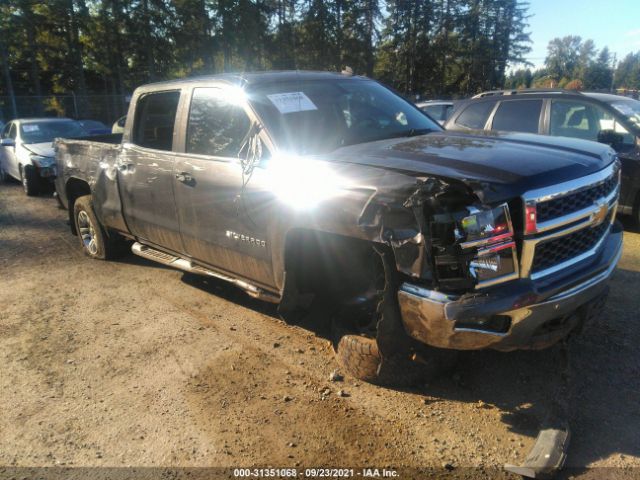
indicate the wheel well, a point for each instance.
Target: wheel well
{"x":75,"y":188}
{"x":327,"y":269}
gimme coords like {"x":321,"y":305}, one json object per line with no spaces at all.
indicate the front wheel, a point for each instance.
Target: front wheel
{"x":358,"y":350}
{"x":360,"y":357}
{"x":30,"y":180}
{"x":94,"y":240}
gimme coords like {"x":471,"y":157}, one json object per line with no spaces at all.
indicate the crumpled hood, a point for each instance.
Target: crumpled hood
{"x":45,"y":149}
{"x":519,"y":162}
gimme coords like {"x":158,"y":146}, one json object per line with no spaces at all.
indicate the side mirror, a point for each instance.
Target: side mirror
{"x":251,"y":151}
{"x":610,"y":137}
{"x":8,"y":142}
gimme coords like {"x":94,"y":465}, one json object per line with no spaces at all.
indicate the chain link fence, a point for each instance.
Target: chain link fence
{"x":106,"y":108}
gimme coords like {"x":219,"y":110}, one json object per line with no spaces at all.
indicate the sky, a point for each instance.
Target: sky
{"x":612,"y":23}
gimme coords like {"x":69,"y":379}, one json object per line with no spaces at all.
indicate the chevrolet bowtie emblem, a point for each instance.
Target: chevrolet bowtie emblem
{"x":600,"y":214}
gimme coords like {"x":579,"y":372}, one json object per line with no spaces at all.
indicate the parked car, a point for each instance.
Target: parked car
{"x":26,"y":149}
{"x":439,"y":110}
{"x":118,"y":125}
{"x":330,"y":194}
{"x":610,"y":119}
{"x":94,"y":127}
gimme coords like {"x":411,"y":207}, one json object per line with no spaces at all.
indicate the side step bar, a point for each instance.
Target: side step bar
{"x":187,"y":266}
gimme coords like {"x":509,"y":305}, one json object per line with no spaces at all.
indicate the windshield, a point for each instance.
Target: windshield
{"x":46,"y":131}
{"x":318,"y":116}
{"x":630,"y":109}
{"x":92,"y":124}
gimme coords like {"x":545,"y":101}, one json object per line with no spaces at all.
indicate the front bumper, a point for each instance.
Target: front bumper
{"x":519,"y":316}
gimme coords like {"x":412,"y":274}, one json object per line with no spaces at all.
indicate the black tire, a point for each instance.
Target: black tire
{"x":370,"y":341}
{"x":93,"y":238}
{"x":4,"y":177}
{"x":636,"y":211}
{"x":360,"y":357}
{"x":30,"y":180}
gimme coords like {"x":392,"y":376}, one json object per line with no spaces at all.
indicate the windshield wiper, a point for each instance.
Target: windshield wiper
{"x":414,"y":132}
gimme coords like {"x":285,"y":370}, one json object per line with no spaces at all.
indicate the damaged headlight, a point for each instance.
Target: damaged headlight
{"x":486,"y":237}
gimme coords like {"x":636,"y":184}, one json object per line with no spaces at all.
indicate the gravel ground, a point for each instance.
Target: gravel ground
{"x":129,"y":363}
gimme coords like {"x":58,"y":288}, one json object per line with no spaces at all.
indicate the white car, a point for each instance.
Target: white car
{"x":439,"y":110}
{"x":26,"y":149}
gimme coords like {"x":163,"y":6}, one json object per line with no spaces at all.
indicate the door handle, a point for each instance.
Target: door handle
{"x":123,"y":167}
{"x":184,"y":177}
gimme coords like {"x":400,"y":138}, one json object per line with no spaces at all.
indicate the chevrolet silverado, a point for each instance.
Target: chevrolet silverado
{"x":330,"y":193}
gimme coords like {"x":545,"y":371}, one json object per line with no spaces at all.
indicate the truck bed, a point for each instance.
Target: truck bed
{"x":92,"y":160}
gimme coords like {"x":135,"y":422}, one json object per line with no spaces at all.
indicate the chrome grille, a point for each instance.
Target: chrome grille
{"x":563,"y":249}
{"x":574,"y":202}
{"x":573,"y":219}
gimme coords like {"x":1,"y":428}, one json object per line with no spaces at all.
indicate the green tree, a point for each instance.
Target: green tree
{"x":563,"y":57}
{"x":627,"y":74}
{"x":599,"y":74}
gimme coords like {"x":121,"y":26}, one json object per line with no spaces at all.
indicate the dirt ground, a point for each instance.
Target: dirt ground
{"x":129,"y":363}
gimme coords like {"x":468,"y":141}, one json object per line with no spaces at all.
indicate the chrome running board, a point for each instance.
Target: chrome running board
{"x":190,"y":267}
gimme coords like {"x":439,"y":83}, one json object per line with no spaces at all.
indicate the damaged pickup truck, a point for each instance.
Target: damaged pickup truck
{"x":334,"y":197}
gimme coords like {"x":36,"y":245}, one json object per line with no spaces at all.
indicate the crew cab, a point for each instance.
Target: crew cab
{"x":333,"y":196}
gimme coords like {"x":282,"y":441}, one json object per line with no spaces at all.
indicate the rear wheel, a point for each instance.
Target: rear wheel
{"x":93,"y":238}
{"x":30,"y":180}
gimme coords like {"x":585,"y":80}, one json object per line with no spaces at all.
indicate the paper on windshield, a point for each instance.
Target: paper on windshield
{"x":30,"y":128}
{"x":292,"y":102}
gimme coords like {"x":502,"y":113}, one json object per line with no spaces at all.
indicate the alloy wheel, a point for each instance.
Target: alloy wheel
{"x":87,"y":232}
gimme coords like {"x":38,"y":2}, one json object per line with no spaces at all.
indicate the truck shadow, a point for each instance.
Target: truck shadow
{"x":518,"y":387}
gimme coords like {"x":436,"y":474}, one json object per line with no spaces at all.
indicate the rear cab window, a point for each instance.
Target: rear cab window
{"x":518,"y":116}
{"x":475,"y":115}
{"x":155,"y":118}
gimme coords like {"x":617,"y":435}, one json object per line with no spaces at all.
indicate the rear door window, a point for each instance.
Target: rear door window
{"x":518,"y":116}
{"x":155,"y":120}
{"x":216,"y":126}
{"x":475,"y":115}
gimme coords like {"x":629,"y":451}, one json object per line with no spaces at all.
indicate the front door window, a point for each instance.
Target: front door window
{"x":585,"y":121}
